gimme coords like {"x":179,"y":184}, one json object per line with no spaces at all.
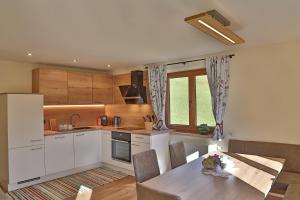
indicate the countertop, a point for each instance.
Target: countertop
{"x":108,"y":128}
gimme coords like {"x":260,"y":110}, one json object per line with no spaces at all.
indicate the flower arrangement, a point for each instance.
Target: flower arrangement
{"x":212,"y":162}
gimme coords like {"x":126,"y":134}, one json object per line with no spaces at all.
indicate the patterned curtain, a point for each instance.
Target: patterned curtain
{"x":158,"y":89}
{"x":218,"y":75}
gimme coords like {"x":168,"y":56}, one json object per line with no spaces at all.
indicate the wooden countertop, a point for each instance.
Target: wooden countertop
{"x":108,"y":128}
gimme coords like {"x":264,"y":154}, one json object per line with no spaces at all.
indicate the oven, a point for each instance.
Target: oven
{"x":121,"y":146}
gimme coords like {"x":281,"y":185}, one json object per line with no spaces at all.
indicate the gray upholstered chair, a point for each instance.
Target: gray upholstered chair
{"x":146,"y":193}
{"x":145,"y":165}
{"x":177,"y":154}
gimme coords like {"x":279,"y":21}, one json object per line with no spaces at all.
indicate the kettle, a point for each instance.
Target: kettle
{"x":116,"y":121}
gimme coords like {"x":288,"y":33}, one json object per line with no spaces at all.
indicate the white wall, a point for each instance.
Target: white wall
{"x":265,"y":94}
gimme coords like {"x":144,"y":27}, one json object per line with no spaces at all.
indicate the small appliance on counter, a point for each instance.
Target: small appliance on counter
{"x":104,"y":120}
{"x":116,"y":121}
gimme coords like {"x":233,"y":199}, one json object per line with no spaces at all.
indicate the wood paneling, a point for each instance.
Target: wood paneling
{"x":102,"y":89}
{"x":88,"y":115}
{"x":80,"y":88}
{"x":131,"y":115}
{"x":52,"y":83}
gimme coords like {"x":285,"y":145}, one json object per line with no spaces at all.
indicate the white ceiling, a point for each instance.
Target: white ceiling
{"x":127,"y":33}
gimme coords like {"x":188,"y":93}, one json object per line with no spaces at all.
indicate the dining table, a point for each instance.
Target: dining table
{"x":248,"y":177}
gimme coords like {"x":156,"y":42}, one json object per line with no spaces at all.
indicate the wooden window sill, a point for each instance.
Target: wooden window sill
{"x":192,"y":134}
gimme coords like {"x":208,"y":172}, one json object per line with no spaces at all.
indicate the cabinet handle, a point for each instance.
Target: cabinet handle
{"x":36,"y":140}
{"x":139,"y":137}
{"x":135,"y":145}
{"x":36,"y":149}
{"x":80,"y":135}
{"x":60,"y":137}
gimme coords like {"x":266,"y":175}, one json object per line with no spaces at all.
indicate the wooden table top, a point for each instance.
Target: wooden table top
{"x":251,"y":179}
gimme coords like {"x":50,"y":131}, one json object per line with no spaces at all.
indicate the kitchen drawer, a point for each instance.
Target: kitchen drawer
{"x":26,"y":163}
{"x":138,"y":147}
{"x":140,"y":138}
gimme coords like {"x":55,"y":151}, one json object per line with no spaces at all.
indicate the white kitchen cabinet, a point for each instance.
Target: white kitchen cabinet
{"x":59,"y":153}
{"x":26,"y":163}
{"x":138,"y":147}
{"x":25,"y":120}
{"x":106,"y":146}
{"x":100,"y":147}
{"x":86,"y":148}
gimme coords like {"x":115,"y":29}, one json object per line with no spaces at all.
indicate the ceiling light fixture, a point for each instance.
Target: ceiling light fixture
{"x":108,"y":66}
{"x":29,"y":54}
{"x":75,"y":61}
{"x":214,"y":24}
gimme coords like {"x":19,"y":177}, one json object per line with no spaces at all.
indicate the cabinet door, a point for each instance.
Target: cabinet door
{"x":80,"y":88}
{"x":138,"y":147}
{"x":86,"y":147}
{"x":106,"y":146}
{"x":26,"y":163}
{"x":25,"y":120}
{"x":59,"y":153}
{"x":100,"y":136}
{"x":52,"y":83}
{"x":102,"y":89}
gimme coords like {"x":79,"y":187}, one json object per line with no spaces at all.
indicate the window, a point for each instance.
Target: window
{"x":189,"y":100}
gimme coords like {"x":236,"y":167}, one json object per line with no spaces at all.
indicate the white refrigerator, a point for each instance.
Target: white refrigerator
{"x":22,"y":139}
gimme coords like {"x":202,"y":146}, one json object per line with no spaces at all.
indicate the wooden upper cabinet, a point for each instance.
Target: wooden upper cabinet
{"x":80,"y":88}
{"x":102,"y":89}
{"x":52,"y":83}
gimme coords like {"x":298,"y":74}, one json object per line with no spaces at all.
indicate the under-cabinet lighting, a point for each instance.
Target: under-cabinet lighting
{"x":74,"y":106}
{"x":216,"y":31}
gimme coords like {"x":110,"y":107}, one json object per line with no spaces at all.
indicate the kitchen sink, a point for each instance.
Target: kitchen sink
{"x":83,"y":127}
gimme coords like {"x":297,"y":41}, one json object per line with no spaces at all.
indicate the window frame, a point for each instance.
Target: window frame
{"x":191,"y":74}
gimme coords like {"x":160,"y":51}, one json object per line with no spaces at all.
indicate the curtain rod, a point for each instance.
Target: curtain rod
{"x":188,"y":61}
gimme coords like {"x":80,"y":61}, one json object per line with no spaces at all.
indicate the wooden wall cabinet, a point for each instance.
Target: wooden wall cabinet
{"x":52,"y":83}
{"x":80,"y":88}
{"x":102,"y":89}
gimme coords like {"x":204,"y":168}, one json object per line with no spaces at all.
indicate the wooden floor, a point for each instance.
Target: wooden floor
{"x":123,"y":189}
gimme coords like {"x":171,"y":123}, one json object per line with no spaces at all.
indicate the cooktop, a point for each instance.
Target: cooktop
{"x":130,"y":128}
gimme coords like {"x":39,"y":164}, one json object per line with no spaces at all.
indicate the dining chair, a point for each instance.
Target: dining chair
{"x":177,"y":154}
{"x":145,"y":165}
{"x":146,"y":193}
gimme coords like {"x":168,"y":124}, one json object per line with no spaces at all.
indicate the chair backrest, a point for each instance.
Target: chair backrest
{"x":177,"y":154}
{"x":145,"y":165}
{"x":290,"y":152}
{"x":146,"y":193}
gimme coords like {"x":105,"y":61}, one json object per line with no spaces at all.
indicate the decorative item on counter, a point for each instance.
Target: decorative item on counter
{"x":204,"y":129}
{"x":116,"y":121}
{"x":213,"y":165}
{"x":103,"y":120}
{"x":149,"y":121}
{"x":53,"y":124}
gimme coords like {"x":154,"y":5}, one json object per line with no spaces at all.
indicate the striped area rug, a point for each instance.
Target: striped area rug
{"x":65,"y":187}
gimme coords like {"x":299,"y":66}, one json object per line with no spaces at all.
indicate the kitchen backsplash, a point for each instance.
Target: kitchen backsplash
{"x":131,"y":115}
{"x":88,"y":115}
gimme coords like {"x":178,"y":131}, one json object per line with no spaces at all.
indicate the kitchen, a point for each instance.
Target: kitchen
{"x":72,"y":127}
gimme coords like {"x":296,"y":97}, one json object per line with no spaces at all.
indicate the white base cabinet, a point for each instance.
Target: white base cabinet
{"x":106,"y":147}
{"x":26,"y":163}
{"x":59,"y":153}
{"x":86,"y":148}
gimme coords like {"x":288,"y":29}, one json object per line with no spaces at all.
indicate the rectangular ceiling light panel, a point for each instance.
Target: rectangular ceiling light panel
{"x":207,"y":24}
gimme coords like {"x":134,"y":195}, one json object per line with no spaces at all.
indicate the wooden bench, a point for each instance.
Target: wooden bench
{"x":291,"y":152}
{"x":293,"y":192}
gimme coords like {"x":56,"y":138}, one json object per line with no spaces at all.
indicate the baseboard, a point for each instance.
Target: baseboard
{"x":50,"y":177}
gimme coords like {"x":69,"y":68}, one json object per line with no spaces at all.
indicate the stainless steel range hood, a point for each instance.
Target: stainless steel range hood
{"x":136,"y":92}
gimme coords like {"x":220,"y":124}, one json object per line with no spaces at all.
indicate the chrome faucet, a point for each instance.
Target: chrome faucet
{"x":72,"y":117}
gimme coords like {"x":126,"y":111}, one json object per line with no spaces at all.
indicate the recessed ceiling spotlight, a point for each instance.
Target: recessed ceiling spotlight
{"x":75,"y":61}
{"x":108,"y":66}
{"x":29,"y":54}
